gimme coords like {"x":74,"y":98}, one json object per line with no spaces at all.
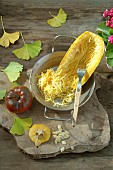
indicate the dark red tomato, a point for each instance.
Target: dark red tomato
{"x":19,"y":99}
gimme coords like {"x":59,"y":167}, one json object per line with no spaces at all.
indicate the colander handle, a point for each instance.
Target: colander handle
{"x":57,"y":119}
{"x":58,"y":36}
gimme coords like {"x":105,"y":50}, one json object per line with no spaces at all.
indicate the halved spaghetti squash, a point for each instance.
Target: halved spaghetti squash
{"x":87,"y":49}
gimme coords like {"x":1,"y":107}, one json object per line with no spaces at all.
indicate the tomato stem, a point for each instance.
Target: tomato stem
{"x":22,"y":38}
{"x":2,"y":24}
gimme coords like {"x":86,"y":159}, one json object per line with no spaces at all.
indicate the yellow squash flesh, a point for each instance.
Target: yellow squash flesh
{"x":87,"y":50}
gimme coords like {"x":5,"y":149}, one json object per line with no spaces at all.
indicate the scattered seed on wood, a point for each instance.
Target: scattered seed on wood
{"x":62,"y":149}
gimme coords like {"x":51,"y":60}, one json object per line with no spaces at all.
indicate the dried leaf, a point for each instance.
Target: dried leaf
{"x":8,"y":38}
{"x":58,"y":20}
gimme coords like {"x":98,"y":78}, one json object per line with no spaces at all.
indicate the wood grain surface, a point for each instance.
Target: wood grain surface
{"x":30,"y":16}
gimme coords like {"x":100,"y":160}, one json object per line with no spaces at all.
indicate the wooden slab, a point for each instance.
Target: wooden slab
{"x":92,"y":132}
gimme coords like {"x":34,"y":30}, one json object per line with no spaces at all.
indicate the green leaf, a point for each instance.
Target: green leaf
{"x":103,"y":28}
{"x":20,"y":125}
{"x":13,"y":71}
{"x":28,"y":50}
{"x":109,"y":54}
{"x":111,"y":31}
{"x":100,"y":34}
{"x":109,"y":47}
{"x":110,"y":61}
{"x":105,"y":38}
{"x":17,"y":129}
{"x":58,"y":20}
{"x":2,"y":94}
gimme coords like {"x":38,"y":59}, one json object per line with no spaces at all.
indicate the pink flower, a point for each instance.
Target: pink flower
{"x":110,"y":39}
{"x":111,"y":10}
{"x":109,"y":22}
{"x":111,"y":25}
{"x":108,"y":13}
{"x":105,"y":14}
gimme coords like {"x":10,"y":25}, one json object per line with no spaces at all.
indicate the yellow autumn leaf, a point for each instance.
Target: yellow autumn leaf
{"x":8,"y":38}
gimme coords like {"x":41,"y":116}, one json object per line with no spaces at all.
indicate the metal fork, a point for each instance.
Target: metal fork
{"x":80,"y":72}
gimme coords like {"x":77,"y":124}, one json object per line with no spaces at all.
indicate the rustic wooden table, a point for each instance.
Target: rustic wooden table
{"x":30,"y":16}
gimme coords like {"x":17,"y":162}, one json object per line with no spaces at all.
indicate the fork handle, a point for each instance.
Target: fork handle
{"x":76,"y":105}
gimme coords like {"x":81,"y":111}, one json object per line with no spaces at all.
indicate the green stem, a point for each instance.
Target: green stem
{"x":22,"y":38}
{"x":2,"y":24}
{"x":51,"y":14}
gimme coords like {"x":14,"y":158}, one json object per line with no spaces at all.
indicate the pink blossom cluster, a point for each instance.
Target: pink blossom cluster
{"x":110,"y":39}
{"x":109,"y":15}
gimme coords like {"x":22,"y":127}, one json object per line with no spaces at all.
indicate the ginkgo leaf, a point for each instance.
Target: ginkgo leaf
{"x":13,"y":71}
{"x":8,"y":38}
{"x":28,"y":50}
{"x":2,"y":94}
{"x":20,"y":125}
{"x":58,"y":20}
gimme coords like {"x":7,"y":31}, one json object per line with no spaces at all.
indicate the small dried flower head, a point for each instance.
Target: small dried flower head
{"x":110,"y":39}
